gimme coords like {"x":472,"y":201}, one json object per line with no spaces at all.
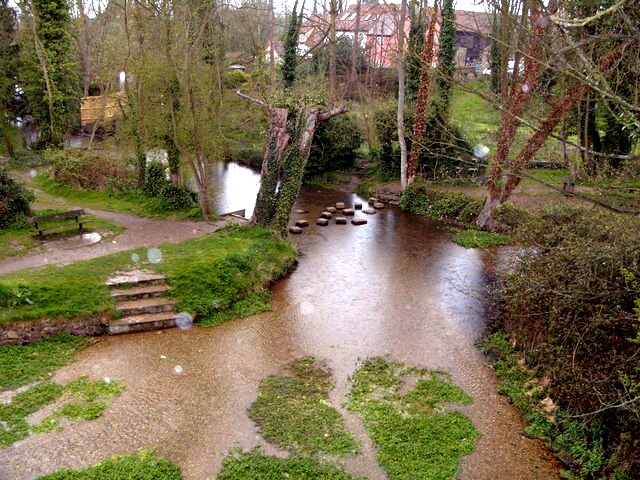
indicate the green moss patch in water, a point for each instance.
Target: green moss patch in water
{"x":294,"y":413}
{"x":416,"y":435}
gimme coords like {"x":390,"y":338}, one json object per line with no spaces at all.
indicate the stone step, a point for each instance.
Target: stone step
{"x":136,"y":293}
{"x":144,"y":305}
{"x":142,"y":323}
{"x":137,"y":278}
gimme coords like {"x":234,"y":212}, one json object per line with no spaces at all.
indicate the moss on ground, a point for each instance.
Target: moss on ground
{"x":81,"y":399}
{"x":212,"y":277}
{"x":293,"y":412}
{"x":256,"y":466}
{"x":416,"y":435}
{"x":22,"y":364}
{"x":144,"y":465}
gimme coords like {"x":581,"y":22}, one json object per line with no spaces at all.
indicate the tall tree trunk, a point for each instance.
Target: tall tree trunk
{"x":420,"y":116}
{"x":400,"y":116}
{"x":85,"y":59}
{"x":272,"y":55}
{"x":333,"y":78}
{"x":355,"y":52}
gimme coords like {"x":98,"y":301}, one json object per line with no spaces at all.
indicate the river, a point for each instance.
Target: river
{"x":396,"y":287}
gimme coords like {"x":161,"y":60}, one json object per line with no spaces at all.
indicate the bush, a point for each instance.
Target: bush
{"x":235,"y":78}
{"x":155,"y":179}
{"x":334,"y":145}
{"x":418,"y":198}
{"x":80,"y":169}
{"x":175,"y":197}
{"x":14,"y":200}
{"x":27,"y":159}
{"x":445,"y":151}
{"x":573,"y":307}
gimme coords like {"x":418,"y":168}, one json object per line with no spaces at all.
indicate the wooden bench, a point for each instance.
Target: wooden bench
{"x":71,"y":214}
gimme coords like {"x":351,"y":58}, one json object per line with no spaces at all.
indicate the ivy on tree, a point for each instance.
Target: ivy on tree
{"x":50,"y":73}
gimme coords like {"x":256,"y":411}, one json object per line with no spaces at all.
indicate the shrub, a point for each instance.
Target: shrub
{"x":27,"y":159}
{"x":235,"y":78}
{"x":80,"y":169}
{"x":572,"y":305}
{"x":418,"y":198}
{"x":334,"y":145}
{"x":174,"y":197}
{"x":155,"y":179}
{"x":14,"y":200}
{"x":445,"y":151}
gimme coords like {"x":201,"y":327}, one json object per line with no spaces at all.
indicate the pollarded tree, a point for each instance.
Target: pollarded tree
{"x":292,"y":125}
{"x":50,"y":73}
{"x":290,"y":56}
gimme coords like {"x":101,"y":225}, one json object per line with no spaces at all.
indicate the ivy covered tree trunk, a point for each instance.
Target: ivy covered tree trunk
{"x":446,"y":56}
{"x":285,"y":159}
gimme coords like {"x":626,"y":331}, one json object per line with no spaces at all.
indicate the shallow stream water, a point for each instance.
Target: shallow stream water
{"x":396,"y":287}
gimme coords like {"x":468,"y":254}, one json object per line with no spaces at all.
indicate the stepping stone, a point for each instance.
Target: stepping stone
{"x":294,"y":229}
{"x":302,"y":211}
{"x":358,"y":206}
{"x":341,"y":220}
{"x":359,"y":221}
{"x":302,"y":223}
{"x":369,"y":211}
{"x":348,"y":211}
{"x":331,"y":209}
{"x":378,"y":205}
{"x":340,"y":205}
{"x":373,"y":200}
{"x":323,"y":222}
{"x":326,"y":215}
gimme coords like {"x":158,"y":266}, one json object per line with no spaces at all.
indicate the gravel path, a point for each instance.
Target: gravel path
{"x":140,"y":232}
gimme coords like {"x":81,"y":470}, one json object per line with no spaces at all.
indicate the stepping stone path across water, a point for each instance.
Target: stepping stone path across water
{"x":302,"y":223}
{"x":348,"y":211}
{"x":331,"y":209}
{"x":378,"y":205}
{"x":323,"y":222}
{"x":359,"y":221}
{"x":357,"y":206}
{"x":341,"y":220}
{"x":295,"y":230}
{"x":369,"y":211}
{"x":326,"y":215}
{"x":340,"y":205}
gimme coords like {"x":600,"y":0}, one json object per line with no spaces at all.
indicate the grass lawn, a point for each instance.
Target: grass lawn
{"x":22,"y":238}
{"x":210,"y":276}
{"x":293,"y":412}
{"x":416,"y":435}
{"x":135,"y":203}
{"x":144,"y":465}
{"x":22,"y":364}
{"x":480,"y":121}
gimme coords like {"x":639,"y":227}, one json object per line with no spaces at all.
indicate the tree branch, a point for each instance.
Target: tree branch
{"x":322,"y":116}
{"x":264,"y":105}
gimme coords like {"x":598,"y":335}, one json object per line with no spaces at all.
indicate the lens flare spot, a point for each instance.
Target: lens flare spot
{"x":154,"y":255}
{"x":177,"y":369}
{"x":184,"y":321}
{"x":481,"y":151}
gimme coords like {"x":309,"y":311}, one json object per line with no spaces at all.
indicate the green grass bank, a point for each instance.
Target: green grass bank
{"x":213,"y":278}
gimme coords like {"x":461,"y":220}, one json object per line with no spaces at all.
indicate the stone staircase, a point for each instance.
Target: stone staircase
{"x":140,"y":306}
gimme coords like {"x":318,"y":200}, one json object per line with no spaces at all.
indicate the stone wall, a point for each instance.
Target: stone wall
{"x":18,"y":333}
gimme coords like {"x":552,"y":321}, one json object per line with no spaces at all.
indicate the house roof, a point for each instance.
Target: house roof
{"x":474,"y":22}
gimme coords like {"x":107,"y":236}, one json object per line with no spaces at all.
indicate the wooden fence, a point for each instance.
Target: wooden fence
{"x":102,"y":108}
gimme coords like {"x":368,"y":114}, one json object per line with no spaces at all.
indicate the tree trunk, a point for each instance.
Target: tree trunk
{"x":333,"y":79}
{"x":355,"y":51}
{"x":284,"y":162}
{"x":420,"y":117}
{"x":400,"y":117}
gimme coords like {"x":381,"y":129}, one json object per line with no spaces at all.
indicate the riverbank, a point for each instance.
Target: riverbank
{"x":213,"y":278}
